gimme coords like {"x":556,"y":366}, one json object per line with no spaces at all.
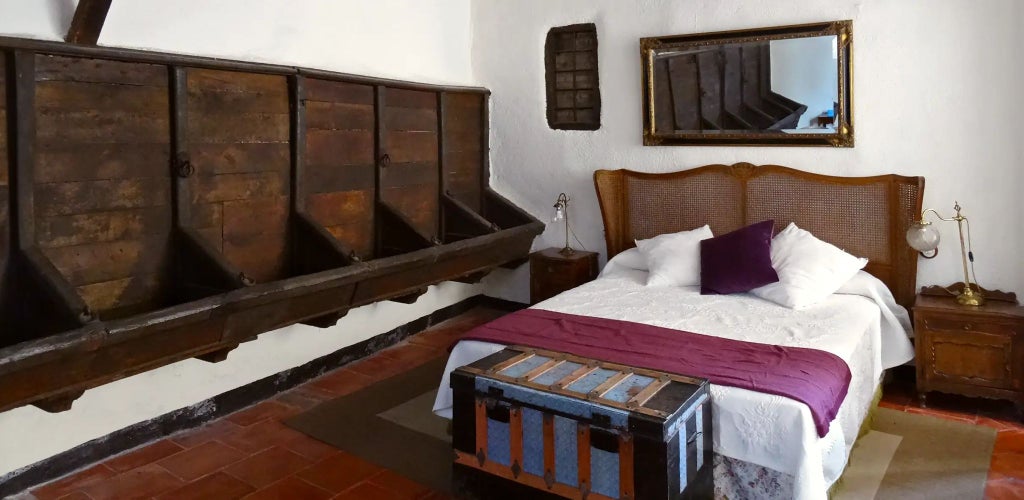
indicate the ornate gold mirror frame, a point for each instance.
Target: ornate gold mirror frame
{"x":729,"y":101}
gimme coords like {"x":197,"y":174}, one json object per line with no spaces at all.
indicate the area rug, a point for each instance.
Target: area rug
{"x":913,"y":456}
{"x":390,"y":424}
{"x":905,"y":455}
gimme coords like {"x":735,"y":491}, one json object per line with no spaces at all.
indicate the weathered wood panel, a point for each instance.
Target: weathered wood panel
{"x":340,"y":174}
{"x":102,"y":184}
{"x":463,"y":155}
{"x":238,"y":132}
{"x":410,"y":180}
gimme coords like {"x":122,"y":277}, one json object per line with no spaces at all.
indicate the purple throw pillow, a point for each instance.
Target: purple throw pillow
{"x":739,"y":261}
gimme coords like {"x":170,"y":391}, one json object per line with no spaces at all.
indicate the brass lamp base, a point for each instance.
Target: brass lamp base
{"x":970,"y":297}
{"x":567,"y":251}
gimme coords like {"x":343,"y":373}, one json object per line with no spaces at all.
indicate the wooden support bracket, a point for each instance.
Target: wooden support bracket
{"x":327,"y":320}
{"x":218,"y":355}
{"x":411,"y":297}
{"x":88,"y":22}
{"x":59,"y":403}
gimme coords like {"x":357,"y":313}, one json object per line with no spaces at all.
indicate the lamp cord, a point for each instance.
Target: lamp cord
{"x":573,"y":233}
{"x":970,"y":254}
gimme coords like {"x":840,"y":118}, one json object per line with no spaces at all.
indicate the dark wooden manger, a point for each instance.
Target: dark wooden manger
{"x":158,"y":207}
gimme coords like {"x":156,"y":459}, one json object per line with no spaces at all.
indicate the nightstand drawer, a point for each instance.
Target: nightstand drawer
{"x":947,"y":324}
{"x":968,"y":357}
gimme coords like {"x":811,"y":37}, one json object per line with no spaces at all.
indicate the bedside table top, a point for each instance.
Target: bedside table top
{"x":948,"y":304}
{"x":553,"y":254}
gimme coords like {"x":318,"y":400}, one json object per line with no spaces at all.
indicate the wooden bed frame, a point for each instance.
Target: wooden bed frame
{"x":866,"y":216}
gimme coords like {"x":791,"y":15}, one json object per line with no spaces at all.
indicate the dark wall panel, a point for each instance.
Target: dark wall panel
{"x":237,"y":140}
{"x":340,"y":178}
{"x":102,"y":188}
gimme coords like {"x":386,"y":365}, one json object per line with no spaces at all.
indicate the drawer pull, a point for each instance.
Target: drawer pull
{"x":968,"y":326}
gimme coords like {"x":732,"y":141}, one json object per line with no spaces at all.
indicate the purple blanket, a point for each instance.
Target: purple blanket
{"x":816,"y":378}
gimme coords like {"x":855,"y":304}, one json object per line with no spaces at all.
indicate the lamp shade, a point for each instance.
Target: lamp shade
{"x":923,"y":237}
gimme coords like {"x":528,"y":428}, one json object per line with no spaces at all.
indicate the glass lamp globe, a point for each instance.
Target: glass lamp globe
{"x":559,"y":214}
{"x":923,"y":237}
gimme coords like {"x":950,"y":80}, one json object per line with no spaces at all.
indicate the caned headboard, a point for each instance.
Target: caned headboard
{"x":866,"y":216}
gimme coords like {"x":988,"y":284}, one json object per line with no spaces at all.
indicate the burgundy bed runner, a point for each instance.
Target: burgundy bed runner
{"x":816,"y":378}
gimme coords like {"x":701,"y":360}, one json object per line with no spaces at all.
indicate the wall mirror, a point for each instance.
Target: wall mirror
{"x":786,"y":86}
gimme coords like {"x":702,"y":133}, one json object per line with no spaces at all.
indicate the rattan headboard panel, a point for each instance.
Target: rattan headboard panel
{"x":866,"y":216}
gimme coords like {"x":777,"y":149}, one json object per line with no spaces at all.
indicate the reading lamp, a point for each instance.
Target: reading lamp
{"x":924,"y":238}
{"x":562,"y":212}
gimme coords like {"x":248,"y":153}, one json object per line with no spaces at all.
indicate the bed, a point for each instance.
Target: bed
{"x":765,"y":446}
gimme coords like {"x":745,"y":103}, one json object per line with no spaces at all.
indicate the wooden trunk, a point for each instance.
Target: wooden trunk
{"x":530,"y":423}
{"x":159,"y":207}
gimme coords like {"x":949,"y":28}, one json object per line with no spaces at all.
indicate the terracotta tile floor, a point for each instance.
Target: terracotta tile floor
{"x":252,"y":454}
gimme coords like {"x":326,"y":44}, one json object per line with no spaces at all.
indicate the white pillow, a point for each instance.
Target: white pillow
{"x":632,"y":259}
{"x":674,"y":259}
{"x":809,"y":269}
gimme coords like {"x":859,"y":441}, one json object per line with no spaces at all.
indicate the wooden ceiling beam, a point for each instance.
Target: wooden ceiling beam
{"x":88,"y":22}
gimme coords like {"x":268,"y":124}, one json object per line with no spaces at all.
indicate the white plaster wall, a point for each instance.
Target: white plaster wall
{"x":42,"y":19}
{"x":804,"y":70}
{"x":407,"y":39}
{"x":936,"y":90}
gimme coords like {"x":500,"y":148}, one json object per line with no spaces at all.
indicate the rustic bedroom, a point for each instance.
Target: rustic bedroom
{"x":511,"y":249}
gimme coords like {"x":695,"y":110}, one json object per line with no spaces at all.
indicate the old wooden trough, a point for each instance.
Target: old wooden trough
{"x":158,"y":207}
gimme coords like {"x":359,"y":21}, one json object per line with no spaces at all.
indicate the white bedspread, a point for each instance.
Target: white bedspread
{"x":767,"y":430}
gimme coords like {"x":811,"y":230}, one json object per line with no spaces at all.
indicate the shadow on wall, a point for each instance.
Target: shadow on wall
{"x":62,"y":13}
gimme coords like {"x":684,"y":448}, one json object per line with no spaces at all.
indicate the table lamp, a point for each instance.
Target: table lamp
{"x":924,"y":238}
{"x":562,"y":212}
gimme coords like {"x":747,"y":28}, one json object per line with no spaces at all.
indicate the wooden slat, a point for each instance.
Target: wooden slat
{"x":541,"y":369}
{"x":334,"y":178}
{"x":340,"y":207}
{"x":509,"y":363}
{"x":583,"y":456}
{"x":406,"y":147}
{"x":236,"y":81}
{"x":98,"y":262}
{"x":69,"y":198}
{"x":607,"y":385}
{"x":411,"y":119}
{"x":626,"y":466}
{"x":548,"y":429}
{"x":88,"y":96}
{"x":234,"y":187}
{"x":78,"y":69}
{"x":334,"y":91}
{"x":515,"y":430}
{"x":98,"y":227}
{"x":234,"y":158}
{"x":85,"y":162}
{"x":206,"y":128}
{"x":577,"y":374}
{"x":339,"y":147}
{"x":401,"y":98}
{"x":647,"y":393}
{"x":230,"y":102}
{"x":339,"y":116}
{"x":100,"y":127}
{"x":481,"y":429}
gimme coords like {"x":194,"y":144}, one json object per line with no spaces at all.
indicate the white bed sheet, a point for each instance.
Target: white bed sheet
{"x":767,"y":430}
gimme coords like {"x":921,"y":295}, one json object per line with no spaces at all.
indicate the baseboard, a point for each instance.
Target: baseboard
{"x":218,"y":406}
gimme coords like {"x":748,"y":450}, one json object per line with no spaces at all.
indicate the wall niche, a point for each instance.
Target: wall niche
{"x":570,"y":62}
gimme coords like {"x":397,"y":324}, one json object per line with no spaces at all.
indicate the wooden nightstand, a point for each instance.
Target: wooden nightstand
{"x":552,"y":273}
{"x":972,"y":351}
